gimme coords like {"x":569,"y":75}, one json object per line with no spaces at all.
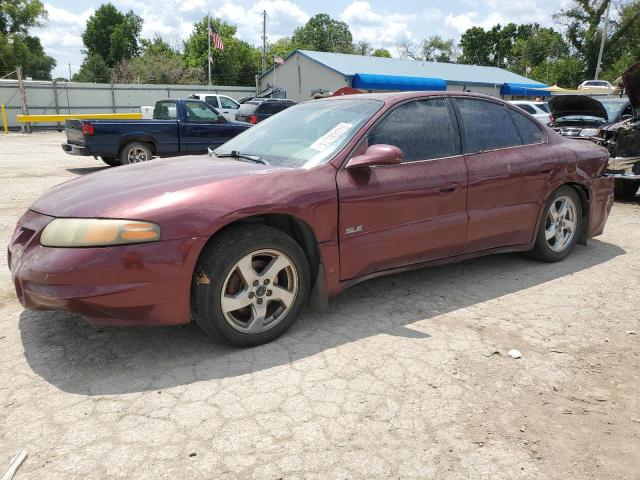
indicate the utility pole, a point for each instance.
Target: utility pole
{"x":209,"y":44}
{"x":69,"y":71}
{"x":264,"y":41}
{"x":23,"y":97}
{"x":604,"y":36}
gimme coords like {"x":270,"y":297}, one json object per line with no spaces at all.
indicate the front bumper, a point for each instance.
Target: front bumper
{"x":625,"y":168}
{"x":143,"y":284}
{"x":72,"y":149}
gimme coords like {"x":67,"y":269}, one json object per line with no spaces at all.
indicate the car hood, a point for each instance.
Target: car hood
{"x":631,"y":80}
{"x":140,"y":191}
{"x":576,"y":106}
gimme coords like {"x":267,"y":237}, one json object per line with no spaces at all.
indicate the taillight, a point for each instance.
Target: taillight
{"x":253,"y":119}
{"x":87,"y":129}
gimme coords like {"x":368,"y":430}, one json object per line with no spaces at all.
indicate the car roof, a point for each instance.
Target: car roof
{"x":390,"y":98}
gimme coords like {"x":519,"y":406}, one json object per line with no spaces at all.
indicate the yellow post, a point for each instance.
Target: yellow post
{"x":5,"y":127}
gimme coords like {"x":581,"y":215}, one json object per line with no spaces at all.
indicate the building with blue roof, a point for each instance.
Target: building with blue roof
{"x":305,"y":73}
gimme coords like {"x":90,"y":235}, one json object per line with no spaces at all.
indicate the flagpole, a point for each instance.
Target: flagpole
{"x":273,"y":93}
{"x":209,"y":43}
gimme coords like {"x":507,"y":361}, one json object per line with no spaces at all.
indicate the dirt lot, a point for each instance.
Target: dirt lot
{"x":399,"y":380}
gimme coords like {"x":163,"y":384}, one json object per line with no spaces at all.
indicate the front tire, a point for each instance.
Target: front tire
{"x":625,"y":188}
{"x":135,"y":152}
{"x":249,"y":285}
{"x":560,"y":226}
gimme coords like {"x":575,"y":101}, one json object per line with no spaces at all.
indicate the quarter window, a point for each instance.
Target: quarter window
{"x":485,"y":126}
{"x":422,"y":129}
{"x":529,"y":131}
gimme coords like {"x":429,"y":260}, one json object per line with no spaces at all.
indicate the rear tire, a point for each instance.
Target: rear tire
{"x":625,"y":188}
{"x":135,"y":152}
{"x":249,"y":286}
{"x":560,"y":226}
{"x":112,"y":162}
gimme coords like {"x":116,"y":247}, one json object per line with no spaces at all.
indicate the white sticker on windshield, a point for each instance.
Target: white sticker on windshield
{"x":329,"y":138}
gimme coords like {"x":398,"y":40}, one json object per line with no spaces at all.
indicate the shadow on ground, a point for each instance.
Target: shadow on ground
{"x":86,"y":170}
{"x":78,"y":358}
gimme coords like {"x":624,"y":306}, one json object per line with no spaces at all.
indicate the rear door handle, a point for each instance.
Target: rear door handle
{"x":449,"y":188}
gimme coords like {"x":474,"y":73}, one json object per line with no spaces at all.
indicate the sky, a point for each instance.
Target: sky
{"x":381,"y":23}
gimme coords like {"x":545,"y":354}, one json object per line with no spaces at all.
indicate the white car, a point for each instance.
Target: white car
{"x":227,"y":106}
{"x":600,"y":85}
{"x":538,"y":110}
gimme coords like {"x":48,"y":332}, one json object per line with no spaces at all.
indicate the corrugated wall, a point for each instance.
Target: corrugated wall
{"x":71,"y":97}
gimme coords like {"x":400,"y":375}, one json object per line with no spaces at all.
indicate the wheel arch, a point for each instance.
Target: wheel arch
{"x":147,"y":139}
{"x":294,"y":226}
{"x":585,"y":203}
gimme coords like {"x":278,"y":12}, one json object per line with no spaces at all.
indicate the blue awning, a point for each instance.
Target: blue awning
{"x":368,"y":81}
{"x":525,"y":89}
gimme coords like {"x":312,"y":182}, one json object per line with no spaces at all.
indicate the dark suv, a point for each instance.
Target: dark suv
{"x":256,"y":110}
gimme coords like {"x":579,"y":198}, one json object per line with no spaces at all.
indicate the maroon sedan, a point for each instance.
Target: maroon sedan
{"x":319,"y":197}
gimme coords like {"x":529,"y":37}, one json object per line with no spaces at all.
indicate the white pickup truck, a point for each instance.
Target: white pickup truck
{"x":226,"y":106}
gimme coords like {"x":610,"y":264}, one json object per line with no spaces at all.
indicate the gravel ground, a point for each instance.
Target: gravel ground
{"x":406,"y":377}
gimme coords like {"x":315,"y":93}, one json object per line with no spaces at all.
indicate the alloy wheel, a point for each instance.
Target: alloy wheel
{"x":560,"y":224}
{"x":259,"y":291}
{"x":137,"y":154}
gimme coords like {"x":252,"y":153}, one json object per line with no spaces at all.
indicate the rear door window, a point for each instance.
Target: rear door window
{"x":529,"y":130}
{"x":422,"y":129}
{"x":485,"y":125}
{"x":211,"y":100}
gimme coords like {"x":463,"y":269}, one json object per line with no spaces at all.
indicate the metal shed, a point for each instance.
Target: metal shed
{"x":305,"y":72}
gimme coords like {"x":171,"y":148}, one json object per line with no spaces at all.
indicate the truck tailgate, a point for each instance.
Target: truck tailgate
{"x":73,"y":128}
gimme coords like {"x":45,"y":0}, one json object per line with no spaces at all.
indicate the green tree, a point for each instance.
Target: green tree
{"x":17,"y":47}
{"x":623,"y":47}
{"x":93,"y":70}
{"x":157,"y":63}
{"x":112,"y":34}
{"x":539,"y":45}
{"x":281,"y":47}
{"x":565,"y":72}
{"x":582,"y":22}
{"x":324,"y":34}
{"x":437,"y":49}
{"x":381,"y":52}
{"x":237,"y":64}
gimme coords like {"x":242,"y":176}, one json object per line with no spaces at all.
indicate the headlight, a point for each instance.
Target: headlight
{"x":97,"y":232}
{"x":589,"y":132}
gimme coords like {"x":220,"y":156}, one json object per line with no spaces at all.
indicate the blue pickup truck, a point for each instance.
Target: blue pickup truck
{"x":179,"y":127}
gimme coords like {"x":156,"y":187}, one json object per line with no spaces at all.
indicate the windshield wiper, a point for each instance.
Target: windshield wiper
{"x":241,"y":156}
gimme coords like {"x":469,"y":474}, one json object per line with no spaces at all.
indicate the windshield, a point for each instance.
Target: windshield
{"x":614,"y":108}
{"x":305,"y":135}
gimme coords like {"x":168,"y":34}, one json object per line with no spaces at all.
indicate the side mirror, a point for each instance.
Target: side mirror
{"x":377,"y":155}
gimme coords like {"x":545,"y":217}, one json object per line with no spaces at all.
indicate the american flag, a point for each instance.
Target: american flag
{"x":217,"y":41}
